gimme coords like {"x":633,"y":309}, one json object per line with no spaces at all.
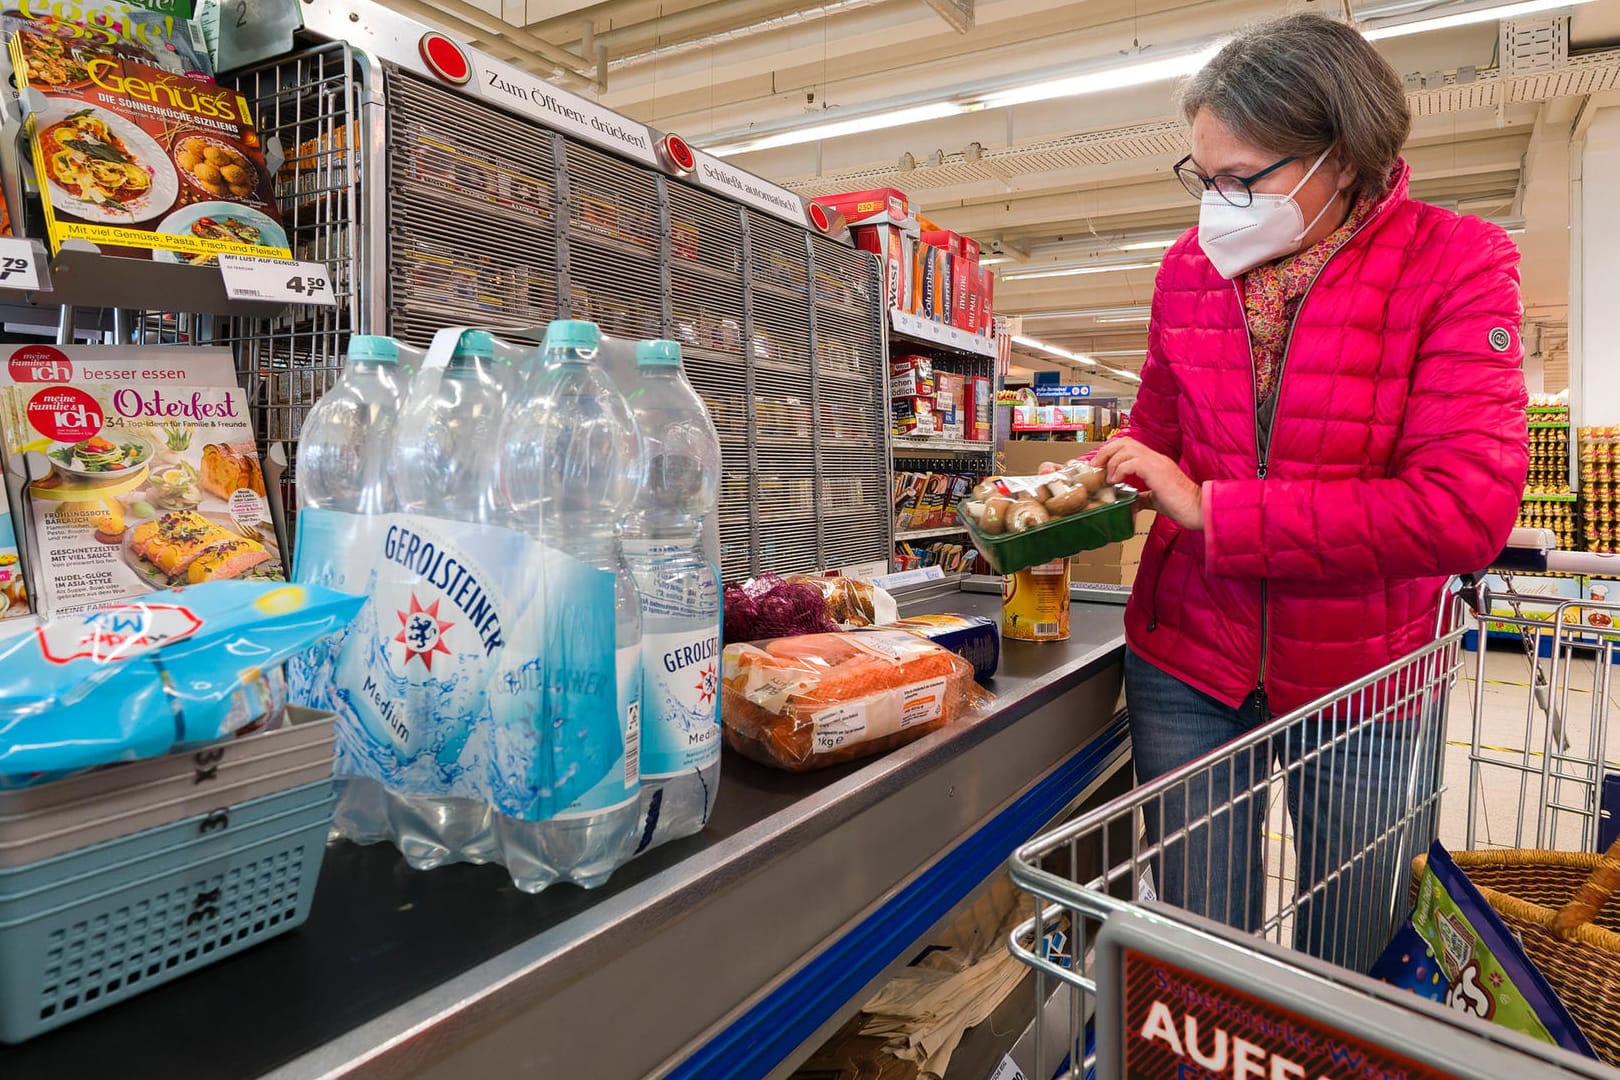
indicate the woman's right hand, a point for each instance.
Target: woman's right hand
{"x":1176,"y":495}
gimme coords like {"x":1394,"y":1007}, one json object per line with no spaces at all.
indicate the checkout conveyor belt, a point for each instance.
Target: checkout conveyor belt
{"x":722,"y":955}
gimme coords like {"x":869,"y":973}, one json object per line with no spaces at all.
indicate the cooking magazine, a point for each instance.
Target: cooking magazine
{"x":61,"y":39}
{"x":137,"y":157}
{"x":131,"y":470}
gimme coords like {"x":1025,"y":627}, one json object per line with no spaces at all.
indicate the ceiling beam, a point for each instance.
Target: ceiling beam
{"x":958,"y":14}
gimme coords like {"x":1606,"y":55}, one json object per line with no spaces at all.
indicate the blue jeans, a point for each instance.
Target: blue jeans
{"x":1347,"y":793}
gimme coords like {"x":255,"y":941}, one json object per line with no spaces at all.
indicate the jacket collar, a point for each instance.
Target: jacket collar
{"x":1400,"y":187}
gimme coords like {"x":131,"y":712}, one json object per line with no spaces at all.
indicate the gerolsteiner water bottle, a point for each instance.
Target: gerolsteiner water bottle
{"x":345,"y":488}
{"x":675,"y":573}
{"x":420,"y":695}
{"x":570,"y":470}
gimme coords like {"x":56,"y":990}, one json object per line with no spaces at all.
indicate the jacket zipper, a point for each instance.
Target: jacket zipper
{"x":1158,"y":582}
{"x":1262,"y":443}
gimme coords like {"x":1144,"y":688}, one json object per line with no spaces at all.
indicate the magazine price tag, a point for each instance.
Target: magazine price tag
{"x":254,"y":277}
{"x":20,"y":262}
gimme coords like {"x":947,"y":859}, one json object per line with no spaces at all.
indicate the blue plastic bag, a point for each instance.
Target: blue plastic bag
{"x":138,"y":679}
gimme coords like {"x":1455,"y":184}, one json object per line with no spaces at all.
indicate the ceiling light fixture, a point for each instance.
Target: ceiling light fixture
{"x":994,"y":260}
{"x":1148,"y":245}
{"x":1076,"y":271}
{"x":1382,"y":32}
{"x":1114,"y":77}
{"x":833,"y":129}
{"x":1137,"y":69}
{"x":1086,"y":313}
{"x":1122,"y":319}
{"x":1064,"y":354}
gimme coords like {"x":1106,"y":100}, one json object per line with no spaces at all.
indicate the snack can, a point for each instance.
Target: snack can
{"x":1035,"y":603}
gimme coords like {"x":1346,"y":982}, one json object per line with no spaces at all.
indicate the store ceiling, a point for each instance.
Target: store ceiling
{"x":1058,"y":184}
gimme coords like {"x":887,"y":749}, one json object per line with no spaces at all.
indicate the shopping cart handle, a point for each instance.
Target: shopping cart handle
{"x":1536,"y":550}
{"x":1527,"y":550}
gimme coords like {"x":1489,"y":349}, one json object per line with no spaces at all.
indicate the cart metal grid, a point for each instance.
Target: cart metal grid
{"x":1319,"y":918}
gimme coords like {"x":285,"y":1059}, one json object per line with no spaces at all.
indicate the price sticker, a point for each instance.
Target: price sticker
{"x":254,"y":277}
{"x":20,"y":264}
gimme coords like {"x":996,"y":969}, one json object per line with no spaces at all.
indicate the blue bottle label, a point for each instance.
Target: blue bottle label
{"x":621,"y":786}
{"x":681,"y":699}
{"x":456,"y":678}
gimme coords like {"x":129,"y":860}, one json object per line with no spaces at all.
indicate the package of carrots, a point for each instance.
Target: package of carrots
{"x":804,"y":703}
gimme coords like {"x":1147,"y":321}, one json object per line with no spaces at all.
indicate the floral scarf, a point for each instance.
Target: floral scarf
{"x":1272,"y":292}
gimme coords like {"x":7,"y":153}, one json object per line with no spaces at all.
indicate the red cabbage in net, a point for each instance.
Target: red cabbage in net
{"x":768,"y":607}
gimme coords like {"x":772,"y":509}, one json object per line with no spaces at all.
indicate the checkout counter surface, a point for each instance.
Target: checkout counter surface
{"x":722,"y":954}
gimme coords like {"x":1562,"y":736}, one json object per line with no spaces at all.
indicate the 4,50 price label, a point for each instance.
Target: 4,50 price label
{"x":253,"y":277}
{"x":20,"y":264}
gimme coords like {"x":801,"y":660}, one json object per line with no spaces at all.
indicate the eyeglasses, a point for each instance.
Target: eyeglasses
{"x":1235,"y":190}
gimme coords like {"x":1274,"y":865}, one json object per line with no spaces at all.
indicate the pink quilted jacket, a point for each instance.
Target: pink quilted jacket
{"x":1397,"y":458}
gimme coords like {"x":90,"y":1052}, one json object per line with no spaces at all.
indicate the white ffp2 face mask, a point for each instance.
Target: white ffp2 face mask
{"x":1239,"y":238}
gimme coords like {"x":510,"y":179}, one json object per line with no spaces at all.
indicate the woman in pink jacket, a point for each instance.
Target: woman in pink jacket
{"x":1331,"y":422}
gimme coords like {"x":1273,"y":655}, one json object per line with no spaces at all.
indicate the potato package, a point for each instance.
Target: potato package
{"x":805,"y":703}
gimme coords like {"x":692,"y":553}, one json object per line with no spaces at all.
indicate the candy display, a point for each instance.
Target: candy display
{"x":928,"y":271}
{"x":804,"y":703}
{"x":952,"y":557}
{"x":1600,"y":488}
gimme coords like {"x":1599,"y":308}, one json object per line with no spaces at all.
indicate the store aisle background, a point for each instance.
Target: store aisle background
{"x":1508,"y":726}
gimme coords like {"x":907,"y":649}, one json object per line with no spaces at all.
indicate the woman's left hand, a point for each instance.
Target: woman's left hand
{"x":1177,"y":495}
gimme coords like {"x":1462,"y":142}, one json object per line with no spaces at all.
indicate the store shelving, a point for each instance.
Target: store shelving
{"x":927,"y":332}
{"x":927,"y":445}
{"x":929,"y":534}
{"x":783,"y":329}
{"x":1548,"y":501}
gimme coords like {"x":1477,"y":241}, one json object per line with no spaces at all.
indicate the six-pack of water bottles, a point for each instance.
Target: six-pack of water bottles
{"x":534,"y":677}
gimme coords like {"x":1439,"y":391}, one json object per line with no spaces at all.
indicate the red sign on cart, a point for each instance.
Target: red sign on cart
{"x":1188,"y":1027}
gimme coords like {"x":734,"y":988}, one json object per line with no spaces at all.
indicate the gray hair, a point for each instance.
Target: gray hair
{"x":1303,"y":83}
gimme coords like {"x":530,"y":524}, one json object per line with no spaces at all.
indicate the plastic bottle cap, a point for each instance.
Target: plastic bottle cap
{"x":573,"y":334}
{"x":475,"y":343}
{"x":373,"y":348}
{"x":658,"y":353}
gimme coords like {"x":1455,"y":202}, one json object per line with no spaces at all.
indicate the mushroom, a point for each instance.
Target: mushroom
{"x":1026,"y":515}
{"x":1056,"y":488}
{"x":1087,"y":475}
{"x":987,"y":489}
{"x":1072,"y":501}
{"x":994,"y":519}
{"x":1107,"y":495}
{"x":974,"y":509}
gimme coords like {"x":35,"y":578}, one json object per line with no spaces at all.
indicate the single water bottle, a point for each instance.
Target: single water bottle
{"x":346,"y":446}
{"x":344,"y":488}
{"x":570,"y":471}
{"x":679,"y":586}
{"x":424,"y":718}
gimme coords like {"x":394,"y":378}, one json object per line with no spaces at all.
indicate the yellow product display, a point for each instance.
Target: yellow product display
{"x":1035,"y":603}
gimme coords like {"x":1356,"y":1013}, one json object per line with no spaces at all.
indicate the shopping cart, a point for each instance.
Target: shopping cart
{"x":1147,"y":916}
